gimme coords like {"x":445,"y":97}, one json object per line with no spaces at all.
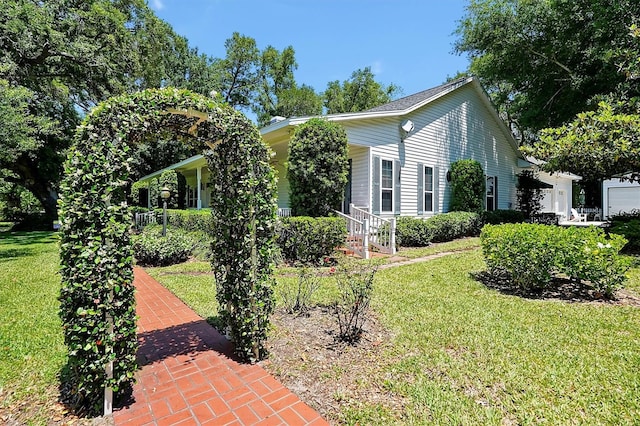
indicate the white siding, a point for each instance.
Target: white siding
{"x":283,"y":183}
{"x":454,"y":127}
{"x":619,"y":195}
{"x":557,"y":199}
{"x":360,"y":182}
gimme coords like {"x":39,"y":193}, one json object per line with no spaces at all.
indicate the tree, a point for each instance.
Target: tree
{"x":596,"y":145}
{"x":468,"y":186}
{"x":528,"y":193}
{"x":360,"y":93}
{"x":545,"y":61}
{"x":317,"y":167}
{"x":237,"y":73}
{"x":278,"y":94}
{"x":61,"y":57}
{"x":298,"y":101}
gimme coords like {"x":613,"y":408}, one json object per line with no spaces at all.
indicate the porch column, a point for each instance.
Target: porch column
{"x":149,"y":195}
{"x":199,"y":181}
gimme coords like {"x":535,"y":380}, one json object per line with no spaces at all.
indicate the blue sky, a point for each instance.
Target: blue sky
{"x":405,"y":42}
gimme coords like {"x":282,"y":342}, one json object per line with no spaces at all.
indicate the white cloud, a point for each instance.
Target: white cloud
{"x":157,"y":4}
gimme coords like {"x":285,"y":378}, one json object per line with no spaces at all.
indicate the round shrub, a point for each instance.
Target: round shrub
{"x":317,"y":167}
{"x":468,"y":186}
{"x":309,"y":239}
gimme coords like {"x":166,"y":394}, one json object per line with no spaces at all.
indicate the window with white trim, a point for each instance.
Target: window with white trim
{"x":492,"y":192}
{"x":428,"y":189}
{"x":386,"y":185}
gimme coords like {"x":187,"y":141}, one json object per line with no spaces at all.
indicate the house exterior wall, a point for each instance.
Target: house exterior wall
{"x":628,"y":196}
{"x":360,"y":182}
{"x":456,"y":126}
{"x":283,"y":183}
{"x":557,"y":199}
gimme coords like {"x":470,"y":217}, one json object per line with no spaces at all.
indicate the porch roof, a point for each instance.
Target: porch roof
{"x":188,"y":164}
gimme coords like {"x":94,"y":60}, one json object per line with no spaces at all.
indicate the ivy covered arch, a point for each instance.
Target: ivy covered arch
{"x":97,"y":297}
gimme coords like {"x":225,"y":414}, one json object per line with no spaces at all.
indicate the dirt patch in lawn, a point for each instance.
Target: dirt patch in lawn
{"x":331,"y":376}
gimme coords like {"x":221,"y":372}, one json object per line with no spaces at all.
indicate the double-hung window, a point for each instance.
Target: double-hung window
{"x":492,"y":193}
{"x":428,"y":189}
{"x":386,"y":188}
{"x":386,"y":185}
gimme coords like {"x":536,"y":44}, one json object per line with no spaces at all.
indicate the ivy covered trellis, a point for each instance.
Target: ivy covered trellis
{"x":97,"y":297}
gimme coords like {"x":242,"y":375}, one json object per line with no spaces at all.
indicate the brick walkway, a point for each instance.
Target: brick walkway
{"x":188,"y":377}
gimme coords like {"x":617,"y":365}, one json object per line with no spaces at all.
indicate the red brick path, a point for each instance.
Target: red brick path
{"x":187,"y":375}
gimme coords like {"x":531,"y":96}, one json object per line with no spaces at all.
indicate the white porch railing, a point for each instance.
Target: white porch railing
{"x":144,"y":219}
{"x":284,"y":212}
{"x":357,"y":235}
{"x":381,"y":232}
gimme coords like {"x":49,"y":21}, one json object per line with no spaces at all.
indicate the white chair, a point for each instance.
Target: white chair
{"x":577,"y":217}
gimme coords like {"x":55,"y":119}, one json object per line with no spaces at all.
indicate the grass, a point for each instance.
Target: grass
{"x":474,"y":356}
{"x":456,"y":245}
{"x":465,"y":354}
{"x":462,"y":354}
{"x":32,"y":350}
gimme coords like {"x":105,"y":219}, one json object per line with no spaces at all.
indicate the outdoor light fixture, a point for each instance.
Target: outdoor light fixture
{"x":165,"y":193}
{"x":407,"y":127}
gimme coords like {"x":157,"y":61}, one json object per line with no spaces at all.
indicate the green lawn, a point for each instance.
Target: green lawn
{"x":32,"y":351}
{"x":469,"y":355}
{"x":462,"y":354}
{"x":475,"y":356}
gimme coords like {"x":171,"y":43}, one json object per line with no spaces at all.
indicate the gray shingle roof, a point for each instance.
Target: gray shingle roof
{"x":409,"y":101}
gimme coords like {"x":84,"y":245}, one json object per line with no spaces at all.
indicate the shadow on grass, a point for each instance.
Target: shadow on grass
{"x":560,"y":288}
{"x":27,"y":238}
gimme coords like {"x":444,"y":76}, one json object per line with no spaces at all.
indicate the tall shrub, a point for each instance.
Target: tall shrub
{"x":528,"y":193}
{"x":317,"y":168}
{"x":468,"y":186}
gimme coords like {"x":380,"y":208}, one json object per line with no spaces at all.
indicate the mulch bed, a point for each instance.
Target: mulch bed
{"x":326,"y":373}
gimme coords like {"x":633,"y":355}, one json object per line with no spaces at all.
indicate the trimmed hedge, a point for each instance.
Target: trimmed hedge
{"x":532,"y":255}
{"x":412,"y":232}
{"x":150,"y":248}
{"x":189,"y":220}
{"x":628,"y":225}
{"x":496,"y":217}
{"x":309,"y":239}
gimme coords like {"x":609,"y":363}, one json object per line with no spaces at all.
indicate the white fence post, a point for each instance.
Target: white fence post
{"x":392,"y":236}
{"x":365,"y":239}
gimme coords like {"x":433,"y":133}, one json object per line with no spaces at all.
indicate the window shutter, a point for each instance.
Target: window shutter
{"x":420,"y":188}
{"x":495,"y":192}
{"x":436,"y":189}
{"x":375,"y":196}
{"x":396,"y":179}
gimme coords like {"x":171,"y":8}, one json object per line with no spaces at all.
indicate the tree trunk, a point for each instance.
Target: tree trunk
{"x":39,"y":185}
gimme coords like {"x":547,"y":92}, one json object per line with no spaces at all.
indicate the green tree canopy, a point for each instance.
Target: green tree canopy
{"x":317,"y":167}
{"x":58,"y":58}
{"x":360,"y":93}
{"x":596,"y":145}
{"x":546,"y":61}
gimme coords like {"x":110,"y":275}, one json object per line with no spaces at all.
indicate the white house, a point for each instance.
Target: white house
{"x":619,"y":196}
{"x":400,"y":154}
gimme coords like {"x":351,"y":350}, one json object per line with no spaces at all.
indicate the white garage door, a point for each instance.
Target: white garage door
{"x":624,"y":199}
